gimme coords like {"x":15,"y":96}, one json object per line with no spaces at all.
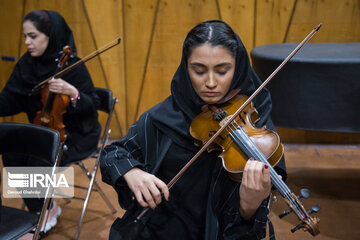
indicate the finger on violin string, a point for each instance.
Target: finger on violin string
{"x":266,"y":173}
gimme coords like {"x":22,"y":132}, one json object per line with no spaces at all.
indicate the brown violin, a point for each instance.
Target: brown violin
{"x":234,"y":159}
{"x":241,"y":140}
{"x":54,"y":105}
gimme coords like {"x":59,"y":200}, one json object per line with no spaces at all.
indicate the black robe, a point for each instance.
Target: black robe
{"x":204,"y":203}
{"x":82,"y":126}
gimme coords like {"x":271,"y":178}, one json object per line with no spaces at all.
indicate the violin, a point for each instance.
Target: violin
{"x":242,"y":140}
{"x":54,"y":105}
{"x":231,"y":142}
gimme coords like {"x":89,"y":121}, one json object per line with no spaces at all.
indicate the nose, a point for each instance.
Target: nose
{"x":27,"y":41}
{"x":211,"y":81}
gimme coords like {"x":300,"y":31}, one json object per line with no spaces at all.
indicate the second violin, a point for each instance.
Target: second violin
{"x":54,"y":105}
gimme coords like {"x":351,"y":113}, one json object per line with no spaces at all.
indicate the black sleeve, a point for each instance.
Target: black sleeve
{"x":80,"y":78}
{"x":117,"y":159}
{"x":233,"y":226}
{"x":82,"y":117}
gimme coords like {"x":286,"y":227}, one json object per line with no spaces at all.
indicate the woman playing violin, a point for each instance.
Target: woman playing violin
{"x":204,"y":203}
{"x":46,"y":33}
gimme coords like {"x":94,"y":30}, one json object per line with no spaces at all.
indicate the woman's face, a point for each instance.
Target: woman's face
{"x":35,"y":41}
{"x":211,"y":70}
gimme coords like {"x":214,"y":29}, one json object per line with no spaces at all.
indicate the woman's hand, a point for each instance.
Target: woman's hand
{"x":146,"y":187}
{"x":58,"y":85}
{"x":255,"y":187}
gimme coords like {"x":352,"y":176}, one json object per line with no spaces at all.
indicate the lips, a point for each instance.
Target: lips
{"x":210,"y":94}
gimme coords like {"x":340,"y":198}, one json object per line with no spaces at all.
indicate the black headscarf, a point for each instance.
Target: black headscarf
{"x":175,"y":114}
{"x":29,"y":70}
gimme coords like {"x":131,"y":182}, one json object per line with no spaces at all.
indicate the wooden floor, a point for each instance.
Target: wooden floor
{"x":331,"y":173}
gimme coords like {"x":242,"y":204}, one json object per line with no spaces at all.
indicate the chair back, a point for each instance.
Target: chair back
{"x":106,"y":100}
{"x":107,"y":104}
{"x":30,"y":140}
{"x":37,"y":142}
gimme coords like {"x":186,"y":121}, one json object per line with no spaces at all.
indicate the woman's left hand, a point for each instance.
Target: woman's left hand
{"x":255,"y":187}
{"x":58,"y":85}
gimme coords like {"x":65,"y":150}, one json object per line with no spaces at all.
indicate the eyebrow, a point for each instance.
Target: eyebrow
{"x":29,"y":33}
{"x":196,"y":64}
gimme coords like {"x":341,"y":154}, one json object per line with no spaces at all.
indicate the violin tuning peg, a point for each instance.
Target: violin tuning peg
{"x":296,"y":228}
{"x":284,"y":213}
{"x":304,"y":193}
{"x":315,"y":209}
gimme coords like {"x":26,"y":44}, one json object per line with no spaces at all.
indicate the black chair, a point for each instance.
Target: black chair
{"x":34,"y":141}
{"x":107,"y":104}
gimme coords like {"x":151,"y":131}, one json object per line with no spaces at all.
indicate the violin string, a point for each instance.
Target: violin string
{"x":281,"y":186}
{"x":277,"y":181}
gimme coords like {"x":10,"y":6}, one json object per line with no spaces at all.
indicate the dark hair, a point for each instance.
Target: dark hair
{"x":41,"y":21}
{"x":213,"y":32}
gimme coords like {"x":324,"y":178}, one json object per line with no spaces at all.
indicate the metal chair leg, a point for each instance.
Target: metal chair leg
{"x":97,"y":187}
{"x":91,"y":186}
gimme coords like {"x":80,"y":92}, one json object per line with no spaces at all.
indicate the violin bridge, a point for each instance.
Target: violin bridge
{"x":224,"y":121}
{"x":45,"y":120}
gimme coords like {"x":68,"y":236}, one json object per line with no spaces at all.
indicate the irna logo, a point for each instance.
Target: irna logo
{"x":33,"y":182}
{"x":17,"y":180}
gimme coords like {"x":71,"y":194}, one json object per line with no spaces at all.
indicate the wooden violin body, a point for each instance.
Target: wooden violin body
{"x":54,"y":105}
{"x":234,"y":159}
{"x":51,"y":115}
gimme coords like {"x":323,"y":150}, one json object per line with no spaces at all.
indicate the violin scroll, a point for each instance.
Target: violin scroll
{"x":308,"y":223}
{"x":63,"y":61}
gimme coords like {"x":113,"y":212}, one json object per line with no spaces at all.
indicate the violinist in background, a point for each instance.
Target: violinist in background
{"x":204,"y":203}
{"x":46,"y":33}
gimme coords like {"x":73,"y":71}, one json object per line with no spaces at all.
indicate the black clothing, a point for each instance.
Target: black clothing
{"x":204,"y":203}
{"x":146,"y":147}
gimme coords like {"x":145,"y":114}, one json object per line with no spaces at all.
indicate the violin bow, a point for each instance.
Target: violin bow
{"x":97,"y":52}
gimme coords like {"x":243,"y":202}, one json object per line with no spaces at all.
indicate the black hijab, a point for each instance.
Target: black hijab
{"x":29,"y":70}
{"x":175,"y":114}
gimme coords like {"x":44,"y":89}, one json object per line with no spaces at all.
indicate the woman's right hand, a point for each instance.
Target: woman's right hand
{"x":146,"y":187}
